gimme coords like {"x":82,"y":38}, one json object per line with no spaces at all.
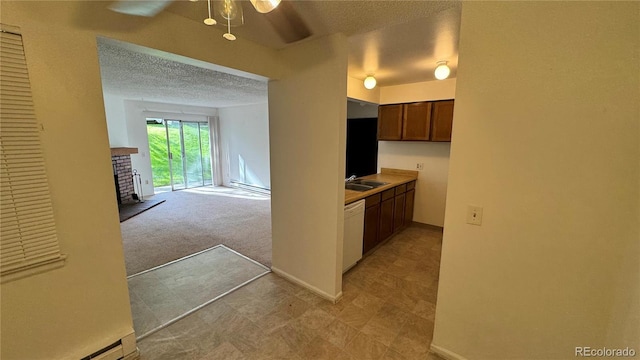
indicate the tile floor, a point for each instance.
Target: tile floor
{"x":158,"y":296}
{"x":387,"y":312}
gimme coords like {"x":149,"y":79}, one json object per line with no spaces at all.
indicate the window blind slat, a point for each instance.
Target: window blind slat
{"x":11,"y":38}
{"x":11,"y":45}
{"x":27,"y":230}
{"x":13,"y":63}
{"x":29,"y":212}
{"x":27,"y":226}
{"x":14,"y":80}
{"x":12,"y":49}
{"x":36,"y":241}
{"x":16,"y":100}
{"x":17,"y":125}
{"x":16,"y":263}
{"x":10,"y":85}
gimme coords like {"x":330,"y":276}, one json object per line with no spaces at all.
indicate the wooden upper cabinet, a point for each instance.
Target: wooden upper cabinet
{"x":419,"y":121}
{"x":416,"y":122}
{"x":390,"y":122}
{"x":442,"y":120}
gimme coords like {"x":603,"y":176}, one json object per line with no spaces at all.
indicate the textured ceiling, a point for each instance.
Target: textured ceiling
{"x":323,"y":17}
{"x":137,"y":75}
{"x":407,"y":52}
{"x":398,"y":42}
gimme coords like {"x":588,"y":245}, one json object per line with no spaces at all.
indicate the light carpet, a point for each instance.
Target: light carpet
{"x":197,"y":219}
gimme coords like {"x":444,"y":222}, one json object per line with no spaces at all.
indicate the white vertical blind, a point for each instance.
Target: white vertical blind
{"x":28,"y":236}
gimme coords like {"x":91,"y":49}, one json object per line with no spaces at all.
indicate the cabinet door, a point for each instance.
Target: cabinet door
{"x":398,"y":212}
{"x":408,"y":206}
{"x":416,"y":121}
{"x":386,"y":219}
{"x":390,"y":122}
{"x":442,"y":120}
{"x":371,"y":226}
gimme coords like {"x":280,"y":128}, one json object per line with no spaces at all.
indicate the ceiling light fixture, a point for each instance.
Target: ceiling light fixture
{"x":370,"y":82}
{"x":265,"y":6}
{"x":442,"y":70}
{"x":229,"y":11}
{"x":210,"y":20}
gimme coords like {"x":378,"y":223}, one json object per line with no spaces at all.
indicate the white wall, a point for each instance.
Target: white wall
{"x":244,"y":138}
{"x":116,"y":120}
{"x":429,"y":90}
{"x":307,"y":115}
{"x":431,"y":187}
{"x":70,"y":312}
{"x":548,"y":143}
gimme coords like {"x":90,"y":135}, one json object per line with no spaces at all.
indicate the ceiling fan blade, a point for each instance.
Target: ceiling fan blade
{"x":147,"y":8}
{"x":287,"y":23}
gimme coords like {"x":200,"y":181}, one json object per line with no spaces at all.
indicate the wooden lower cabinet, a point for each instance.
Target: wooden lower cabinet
{"x":398,"y":211}
{"x":371,"y":227}
{"x":386,"y":219}
{"x":386,"y":213}
{"x":408,"y":206}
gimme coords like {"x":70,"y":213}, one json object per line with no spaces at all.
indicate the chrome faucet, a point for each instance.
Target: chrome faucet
{"x":350,"y":178}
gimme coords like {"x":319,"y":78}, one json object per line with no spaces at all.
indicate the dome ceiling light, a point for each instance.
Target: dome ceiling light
{"x":442,"y":70}
{"x":370,"y":82}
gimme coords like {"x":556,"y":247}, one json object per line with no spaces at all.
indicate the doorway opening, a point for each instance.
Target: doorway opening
{"x":186,"y":133}
{"x":180,"y":154}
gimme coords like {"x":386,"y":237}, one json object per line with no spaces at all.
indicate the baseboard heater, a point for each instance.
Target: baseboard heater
{"x":253,"y":188}
{"x":123,"y":349}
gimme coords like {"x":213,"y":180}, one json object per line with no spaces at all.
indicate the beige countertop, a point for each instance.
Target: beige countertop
{"x":393,"y":177}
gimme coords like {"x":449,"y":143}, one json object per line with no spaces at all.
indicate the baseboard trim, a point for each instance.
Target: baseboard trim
{"x":304,"y":284}
{"x":129,"y":346}
{"x":133,"y":356}
{"x":427,"y":226}
{"x":444,"y":353}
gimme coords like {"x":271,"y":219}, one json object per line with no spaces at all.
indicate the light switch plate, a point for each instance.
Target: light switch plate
{"x":474,"y":215}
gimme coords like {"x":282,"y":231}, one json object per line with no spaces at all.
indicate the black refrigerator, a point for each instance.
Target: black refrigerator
{"x":362,"y":147}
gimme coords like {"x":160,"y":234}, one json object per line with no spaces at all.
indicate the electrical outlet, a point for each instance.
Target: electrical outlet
{"x":420,"y":166}
{"x":474,"y":215}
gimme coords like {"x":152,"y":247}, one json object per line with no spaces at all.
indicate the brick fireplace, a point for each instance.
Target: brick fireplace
{"x":122,"y":173}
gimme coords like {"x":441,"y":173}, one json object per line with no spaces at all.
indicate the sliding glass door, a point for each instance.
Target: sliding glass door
{"x":186,"y":158}
{"x":175,"y":144}
{"x":197,"y":162}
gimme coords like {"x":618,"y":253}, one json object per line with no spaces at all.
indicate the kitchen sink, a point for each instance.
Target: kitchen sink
{"x":363,"y":185}
{"x":357,"y":187}
{"x":372,"y":183}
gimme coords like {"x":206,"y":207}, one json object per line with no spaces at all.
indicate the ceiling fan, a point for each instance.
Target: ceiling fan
{"x":281,"y":15}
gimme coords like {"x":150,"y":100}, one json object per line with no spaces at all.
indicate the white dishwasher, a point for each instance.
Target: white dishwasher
{"x":353,"y":232}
